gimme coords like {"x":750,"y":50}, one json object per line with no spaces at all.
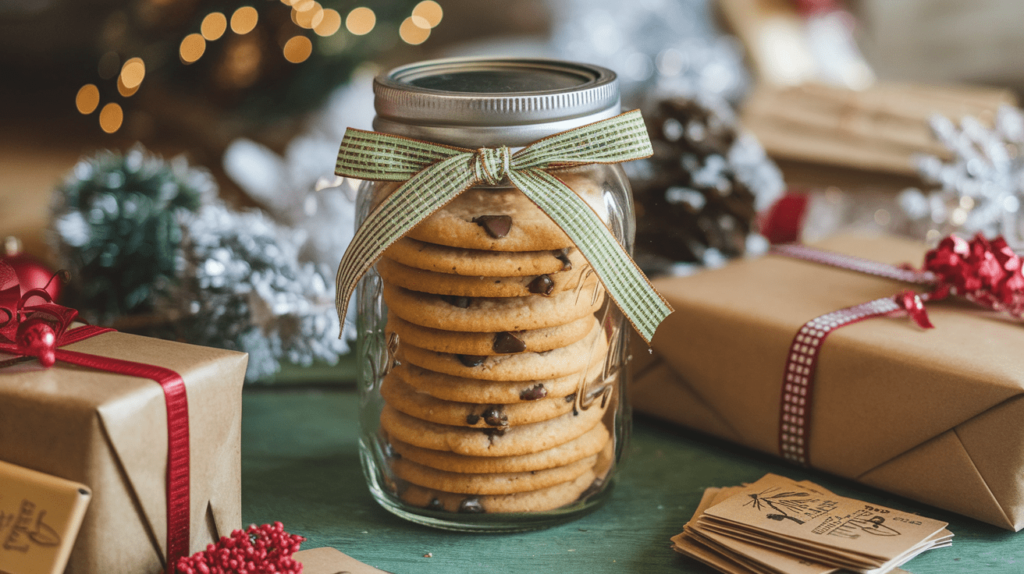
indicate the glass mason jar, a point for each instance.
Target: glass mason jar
{"x":492,"y":374}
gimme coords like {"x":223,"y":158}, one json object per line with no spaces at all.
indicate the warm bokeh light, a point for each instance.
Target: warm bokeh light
{"x":214,"y":26}
{"x":310,"y":17}
{"x":192,"y":48}
{"x":330,"y":23}
{"x":109,"y":66}
{"x":298,"y":49}
{"x":360,"y":21}
{"x":430,"y":12}
{"x":244,"y":20}
{"x":411,"y":33}
{"x":111,"y":117}
{"x":132,"y":73}
{"x":125,"y":90}
{"x":88,"y":99}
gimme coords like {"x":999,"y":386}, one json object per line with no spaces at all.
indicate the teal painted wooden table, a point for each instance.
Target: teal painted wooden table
{"x":300,"y":465}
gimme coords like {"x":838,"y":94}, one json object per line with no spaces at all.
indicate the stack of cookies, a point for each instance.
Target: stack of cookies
{"x":495,"y":314}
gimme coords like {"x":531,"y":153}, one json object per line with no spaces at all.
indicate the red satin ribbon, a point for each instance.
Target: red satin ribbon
{"x":986,"y":272}
{"x":15,"y":313}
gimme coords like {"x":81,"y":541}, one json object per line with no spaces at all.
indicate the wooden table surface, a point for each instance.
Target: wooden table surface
{"x":300,"y":465}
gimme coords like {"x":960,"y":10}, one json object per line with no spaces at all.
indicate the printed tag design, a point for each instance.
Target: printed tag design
{"x":39,"y":520}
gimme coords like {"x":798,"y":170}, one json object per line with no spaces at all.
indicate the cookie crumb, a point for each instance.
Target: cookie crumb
{"x":428,"y":555}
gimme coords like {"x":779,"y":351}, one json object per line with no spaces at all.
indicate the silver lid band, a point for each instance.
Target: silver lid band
{"x":487,"y":102}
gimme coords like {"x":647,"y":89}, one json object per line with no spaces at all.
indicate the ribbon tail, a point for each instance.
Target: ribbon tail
{"x":911,"y":302}
{"x":414,"y":201}
{"x":639,"y":301}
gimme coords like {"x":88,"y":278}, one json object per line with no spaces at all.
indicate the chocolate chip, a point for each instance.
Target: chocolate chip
{"x":533,"y":393}
{"x":472,"y":419}
{"x":542,"y":285}
{"x":435,"y":504}
{"x":495,"y":417}
{"x":506,"y":342}
{"x":460,"y":302}
{"x":570,"y":398}
{"x":471,"y":506}
{"x":472,"y":360}
{"x":497,"y":226}
{"x":495,"y":432}
{"x":563,"y":256}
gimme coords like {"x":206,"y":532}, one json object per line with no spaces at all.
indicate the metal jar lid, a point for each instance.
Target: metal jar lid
{"x":487,"y":102}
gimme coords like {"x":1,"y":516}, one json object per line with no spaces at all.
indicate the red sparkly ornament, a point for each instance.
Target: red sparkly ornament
{"x":263,"y":549}
{"x":32,"y":273}
{"x":37,"y":338}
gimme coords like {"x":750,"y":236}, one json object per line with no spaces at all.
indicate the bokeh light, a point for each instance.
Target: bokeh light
{"x":132,"y":73}
{"x":125,"y":90}
{"x":192,"y":48}
{"x":298,"y":49}
{"x":111,"y":117}
{"x":430,"y":12}
{"x":330,"y":23}
{"x":411,"y":33}
{"x":360,"y":21}
{"x":310,"y":16}
{"x":88,"y":99}
{"x":214,"y":25}
{"x":244,"y":20}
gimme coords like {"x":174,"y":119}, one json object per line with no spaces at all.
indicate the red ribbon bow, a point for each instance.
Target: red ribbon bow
{"x":41,"y":330}
{"x":985,"y":272}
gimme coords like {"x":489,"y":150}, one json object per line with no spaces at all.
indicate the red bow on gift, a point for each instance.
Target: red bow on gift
{"x":41,"y":330}
{"x":985,"y":272}
{"x":35,"y":330}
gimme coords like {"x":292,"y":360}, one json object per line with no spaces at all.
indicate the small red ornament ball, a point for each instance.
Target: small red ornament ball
{"x":37,"y":338}
{"x":32,"y":273}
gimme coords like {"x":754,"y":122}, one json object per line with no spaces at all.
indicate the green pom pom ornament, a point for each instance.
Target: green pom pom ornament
{"x":117,"y":227}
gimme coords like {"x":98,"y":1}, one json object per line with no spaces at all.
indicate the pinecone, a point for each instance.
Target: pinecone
{"x":698,"y":195}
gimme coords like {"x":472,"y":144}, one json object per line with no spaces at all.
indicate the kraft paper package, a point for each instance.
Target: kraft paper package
{"x":934,"y":415}
{"x":109,"y":432}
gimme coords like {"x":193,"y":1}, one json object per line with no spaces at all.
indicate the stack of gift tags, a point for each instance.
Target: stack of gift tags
{"x":780,"y":526}
{"x":499,"y":399}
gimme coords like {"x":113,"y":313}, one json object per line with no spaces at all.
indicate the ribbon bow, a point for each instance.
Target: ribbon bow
{"x":32,"y":330}
{"x":435,"y":174}
{"x":985,"y":272}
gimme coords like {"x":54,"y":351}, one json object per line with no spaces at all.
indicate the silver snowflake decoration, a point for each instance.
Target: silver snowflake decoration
{"x":978,"y":190}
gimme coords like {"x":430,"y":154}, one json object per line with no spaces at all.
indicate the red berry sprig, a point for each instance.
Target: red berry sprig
{"x":263,"y":549}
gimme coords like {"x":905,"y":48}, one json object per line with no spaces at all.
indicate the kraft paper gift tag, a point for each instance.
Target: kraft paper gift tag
{"x":39,"y":520}
{"x":331,"y":561}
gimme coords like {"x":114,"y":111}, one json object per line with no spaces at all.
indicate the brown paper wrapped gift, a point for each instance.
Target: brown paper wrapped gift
{"x":109,"y":432}
{"x":934,"y":415}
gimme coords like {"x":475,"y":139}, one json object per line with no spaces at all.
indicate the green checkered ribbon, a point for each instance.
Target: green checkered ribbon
{"x":435,"y":174}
